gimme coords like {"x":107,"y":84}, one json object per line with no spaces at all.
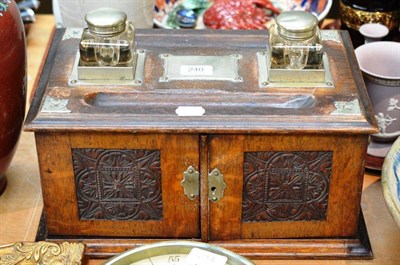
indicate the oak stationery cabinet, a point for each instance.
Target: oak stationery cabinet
{"x":201,"y":144}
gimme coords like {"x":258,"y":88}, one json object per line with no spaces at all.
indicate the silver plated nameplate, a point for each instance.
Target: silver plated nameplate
{"x":191,"y":67}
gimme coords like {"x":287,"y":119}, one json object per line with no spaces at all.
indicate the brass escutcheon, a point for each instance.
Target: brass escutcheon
{"x":190,"y":183}
{"x":216,"y":185}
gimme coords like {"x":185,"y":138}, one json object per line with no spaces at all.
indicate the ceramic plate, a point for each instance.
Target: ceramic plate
{"x":391,"y":180}
{"x":164,"y":8}
{"x":319,"y":8}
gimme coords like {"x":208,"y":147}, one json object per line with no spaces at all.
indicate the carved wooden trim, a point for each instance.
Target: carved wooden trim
{"x":286,"y":186}
{"x":42,"y":253}
{"x":118,"y":184}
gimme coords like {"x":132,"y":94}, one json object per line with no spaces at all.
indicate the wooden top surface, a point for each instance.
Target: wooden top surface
{"x":230,"y":107}
{"x":21,"y":210}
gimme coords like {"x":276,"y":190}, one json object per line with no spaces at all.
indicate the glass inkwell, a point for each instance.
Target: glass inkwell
{"x":108,"y":40}
{"x":295,"y":41}
{"x":295,"y":53}
{"x":107,"y":50}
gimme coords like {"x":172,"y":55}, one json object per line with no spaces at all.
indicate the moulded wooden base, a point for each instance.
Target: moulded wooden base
{"x":326,"y":248}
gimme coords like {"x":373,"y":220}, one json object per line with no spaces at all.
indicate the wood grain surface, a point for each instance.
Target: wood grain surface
{"x":117,"y":117}
{"x":230,"y":107}
{"x":20,"y":223}
{"x":180,"y":215}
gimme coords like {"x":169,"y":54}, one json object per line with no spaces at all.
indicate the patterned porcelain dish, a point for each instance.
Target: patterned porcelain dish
{"x":164,"y":8}
{"x":391,"y":180}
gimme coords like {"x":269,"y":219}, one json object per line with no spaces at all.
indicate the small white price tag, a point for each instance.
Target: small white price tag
{"x":196,"y":70}
{"x":190,"y":111}
{"x":202,"y":257}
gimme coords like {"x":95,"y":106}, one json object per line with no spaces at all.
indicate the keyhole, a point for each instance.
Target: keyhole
{"x":213,"y":190}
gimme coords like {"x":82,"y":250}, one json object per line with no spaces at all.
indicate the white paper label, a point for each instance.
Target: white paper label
{"x":196,"y":70}
{"x":190,"y":111}
{"x":171,"y":259}
{"x":202,"y":257}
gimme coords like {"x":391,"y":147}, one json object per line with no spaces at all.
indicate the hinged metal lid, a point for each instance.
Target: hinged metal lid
{"x":106,"y":21}
{"x":297,"y":25}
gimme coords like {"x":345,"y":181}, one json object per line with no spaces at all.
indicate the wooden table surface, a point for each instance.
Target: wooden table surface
{"x":383,"y":232}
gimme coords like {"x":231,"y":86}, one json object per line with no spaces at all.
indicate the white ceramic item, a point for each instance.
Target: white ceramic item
{"x":373,"y":32}
{"x":391,"y":180}
{"x":71,"y":13}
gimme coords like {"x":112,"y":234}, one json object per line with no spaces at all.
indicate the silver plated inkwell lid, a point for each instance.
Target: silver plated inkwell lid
{"x":106,"y":21}
{"x":297,"y":25}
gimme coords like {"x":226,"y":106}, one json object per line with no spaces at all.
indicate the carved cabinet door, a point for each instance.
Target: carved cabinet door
{"x":121,"y":185}
{"x":286,"y":186}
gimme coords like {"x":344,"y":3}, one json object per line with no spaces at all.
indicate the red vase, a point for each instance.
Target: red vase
{"x":12,"y":83}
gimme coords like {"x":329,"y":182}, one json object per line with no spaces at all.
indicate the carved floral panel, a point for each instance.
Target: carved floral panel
{"x":286,"y":186}
{"x":118,"y":184}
